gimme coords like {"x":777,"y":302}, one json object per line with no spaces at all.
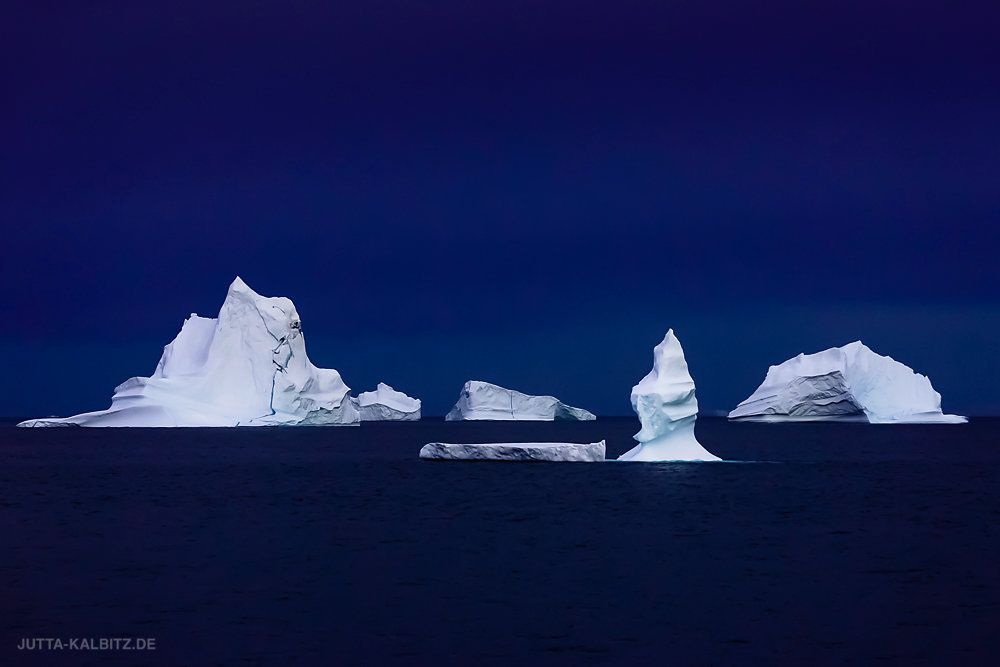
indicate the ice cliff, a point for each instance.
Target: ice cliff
{"x":667,"y":408}
{"x":247,"y":367}
{"x":387,"y":404}
{"x":844,"y":383}
{"x":482,"y":400}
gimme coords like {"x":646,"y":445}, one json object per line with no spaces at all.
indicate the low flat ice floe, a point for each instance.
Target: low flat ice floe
{"x":569,"y":452}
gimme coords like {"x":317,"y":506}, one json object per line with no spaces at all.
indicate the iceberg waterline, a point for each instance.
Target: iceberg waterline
{"x":248,"y":367}
{"x":849,"y":383}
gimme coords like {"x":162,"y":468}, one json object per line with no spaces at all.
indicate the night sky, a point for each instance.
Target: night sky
{"x":528,"y":193}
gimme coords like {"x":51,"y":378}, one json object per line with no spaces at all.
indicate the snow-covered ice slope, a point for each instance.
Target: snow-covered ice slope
{"x":387,"y":404}
{"x":482,"y":400}
{"x":845,"y":383}
{"x":667,"y":408}
{"x":514,"y":451}
{"x":248,"y":367}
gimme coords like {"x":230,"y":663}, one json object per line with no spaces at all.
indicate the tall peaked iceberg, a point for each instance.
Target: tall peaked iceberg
{"x":486,"y":401}
{"x":248,"y":367}
{"x":387,"y":404}
{"x":667,"y":408}
{"x":850,"y":383}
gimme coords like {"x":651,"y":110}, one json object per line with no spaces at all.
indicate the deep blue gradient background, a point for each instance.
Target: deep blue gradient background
{"x":528,"y":193}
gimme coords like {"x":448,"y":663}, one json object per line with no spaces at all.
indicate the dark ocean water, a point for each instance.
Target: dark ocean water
{"x":835,"y":543}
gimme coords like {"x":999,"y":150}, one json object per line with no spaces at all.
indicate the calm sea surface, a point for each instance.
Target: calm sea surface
{"x":829,"y":544}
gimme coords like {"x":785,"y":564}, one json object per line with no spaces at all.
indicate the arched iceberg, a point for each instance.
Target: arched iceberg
{"x":849,"y":383}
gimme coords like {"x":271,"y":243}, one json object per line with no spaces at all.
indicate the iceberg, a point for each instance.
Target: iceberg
{"x":515,"y":451}
{"x":667,"y":408}
{"x":247,"y":367}
{"x":849,"y":383}
{"x":482,"y":400}
{"x":387,"y":404}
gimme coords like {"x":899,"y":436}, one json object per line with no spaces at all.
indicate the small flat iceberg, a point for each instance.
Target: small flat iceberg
{"x":849,"y":383}
{"x":387,"y":404}
{"x":246,"y":367}
{"x":569,"y":452}
{"x":486,"y":401}
{"x":667,"y":408}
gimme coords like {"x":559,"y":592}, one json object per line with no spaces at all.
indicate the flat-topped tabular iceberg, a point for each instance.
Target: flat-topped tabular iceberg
{"x":667,"y":408}
{"x":387,"y":404}
{"x":248,"y":367}
{"x":514,"y":451}
{"x":848,"y":383}
{"x":482,"y":400}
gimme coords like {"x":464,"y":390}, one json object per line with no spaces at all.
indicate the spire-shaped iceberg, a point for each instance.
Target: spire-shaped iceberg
{"x":844,"y":383}
{"x":248,"y":367}
{"x":667,"y":409}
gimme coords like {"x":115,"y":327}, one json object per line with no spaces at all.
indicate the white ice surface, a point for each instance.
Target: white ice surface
{"x":482,"y":400}
{"x":387,"y":404}
{"x":849,"y":383}
{"x":667,"y":408}
{"x":515,"y":451}
{"x":248,"y":367}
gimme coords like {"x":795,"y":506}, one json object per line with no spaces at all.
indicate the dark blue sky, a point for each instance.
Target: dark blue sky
{"x":523,"y":192}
